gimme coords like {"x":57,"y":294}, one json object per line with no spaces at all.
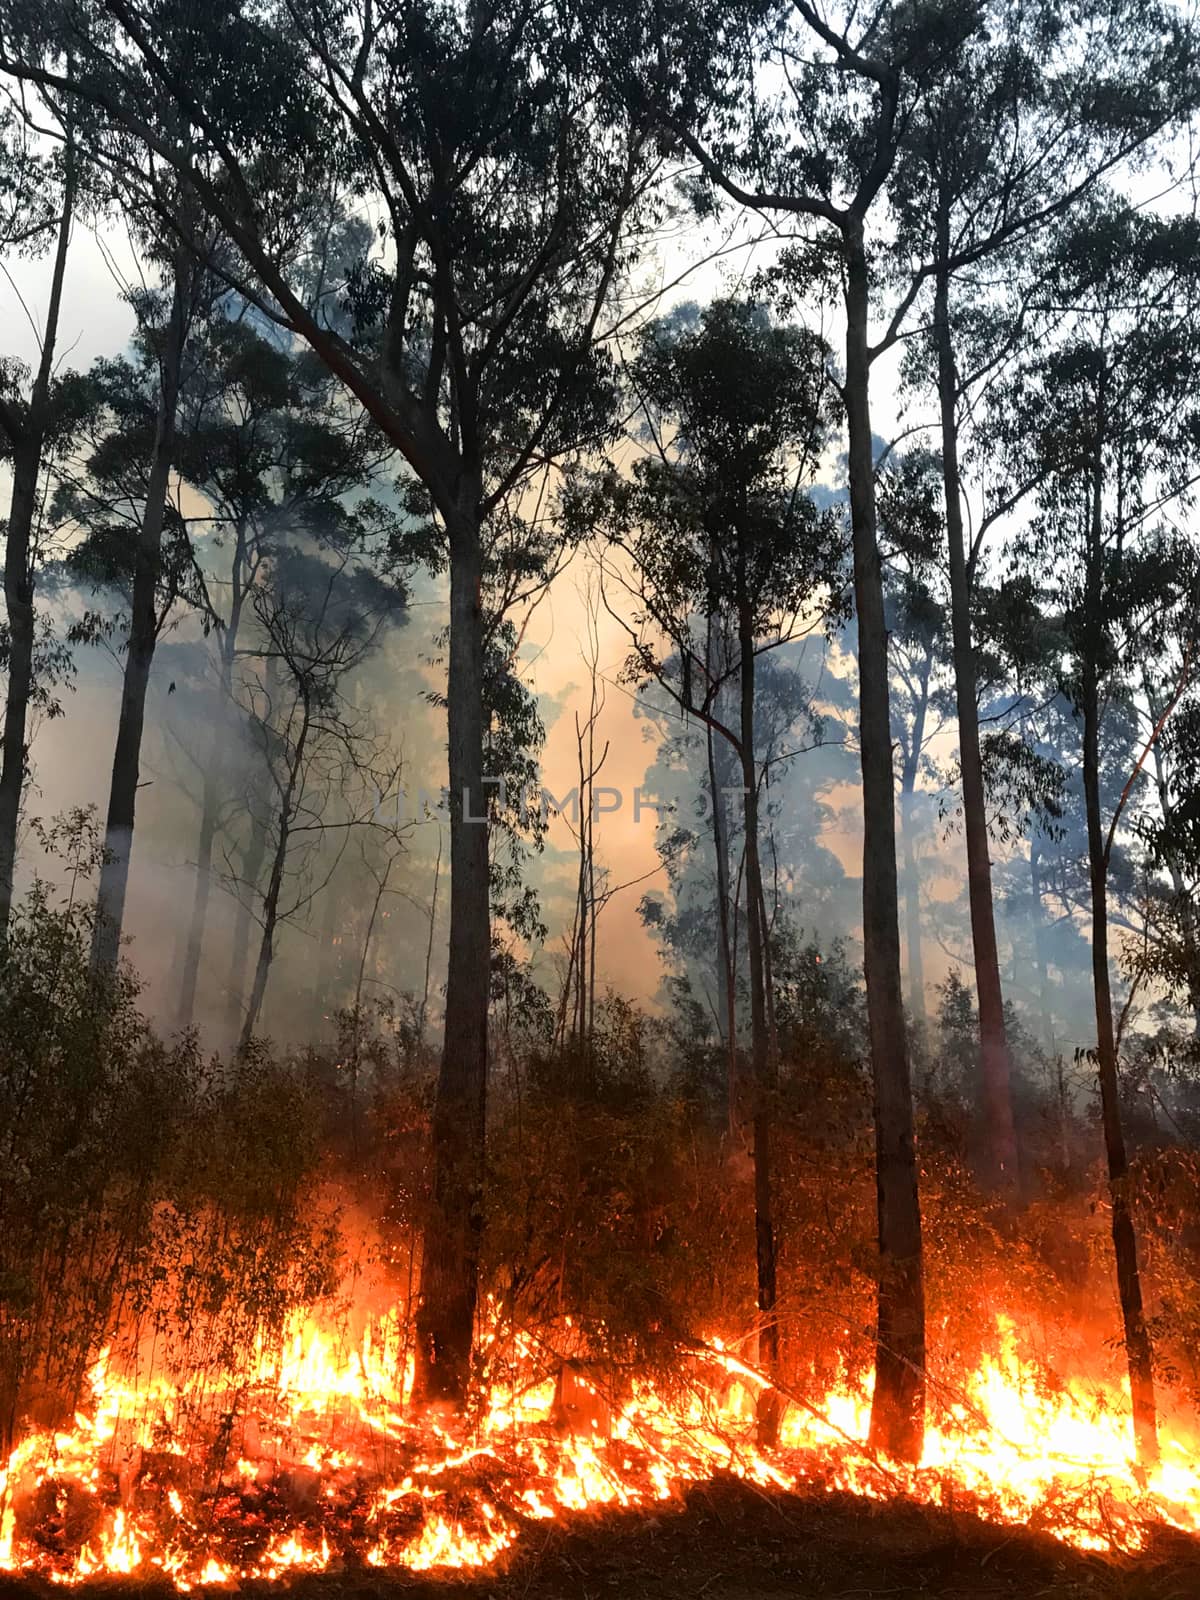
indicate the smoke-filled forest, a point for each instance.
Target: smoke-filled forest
{"x":600,"y":797}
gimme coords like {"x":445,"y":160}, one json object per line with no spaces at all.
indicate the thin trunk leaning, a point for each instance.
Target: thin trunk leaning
{"x":270,"y":916}
{"x":143,"y":631}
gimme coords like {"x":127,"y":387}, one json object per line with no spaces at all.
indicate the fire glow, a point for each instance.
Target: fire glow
{"x":313,"y":1459}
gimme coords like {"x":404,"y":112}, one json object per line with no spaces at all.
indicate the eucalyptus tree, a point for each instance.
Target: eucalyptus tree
{"x":36,"y":423}
{"x":135,"y":537}
{"x":502,"y":191}
{"x":276,"y":457}
{"x":1043,"y":107}
{"x":1111,"y":411}
{"x":821,"y":148}
{"x":720,"y":532}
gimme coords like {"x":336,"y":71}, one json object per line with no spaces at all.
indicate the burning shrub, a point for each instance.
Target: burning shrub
{"x":141,"y":1188}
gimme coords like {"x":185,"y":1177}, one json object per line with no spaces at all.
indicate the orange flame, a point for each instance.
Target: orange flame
{"x":317,"y":1439}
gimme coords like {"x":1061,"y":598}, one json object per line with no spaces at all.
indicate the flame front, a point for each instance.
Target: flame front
{"x":315,"y":1458}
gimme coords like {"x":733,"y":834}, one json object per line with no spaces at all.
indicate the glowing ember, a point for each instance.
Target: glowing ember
{"x":312,"y":1460}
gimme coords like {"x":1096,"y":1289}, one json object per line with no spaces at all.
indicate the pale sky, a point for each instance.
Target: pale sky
{"x":72,"y":756}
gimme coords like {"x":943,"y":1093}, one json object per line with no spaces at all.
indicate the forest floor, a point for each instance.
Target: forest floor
{"x":731,"y":1542}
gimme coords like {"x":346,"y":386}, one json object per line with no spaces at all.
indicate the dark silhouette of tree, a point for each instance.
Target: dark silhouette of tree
{"x":505,"y":189}
{"x":1111,"y":412}
{"x":823,"y":150}
{"x":135,"y":538}
{"x":35,"y":426}
{"x":723,"y":537}
{"x":994,"y":154}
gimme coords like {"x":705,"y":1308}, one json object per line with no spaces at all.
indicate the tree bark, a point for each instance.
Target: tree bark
{"x":898,"y":1404}
{"x":450,"y":1252}
{"x":760,"y":1053}
{"x":726,"y":974}
{"x":27,"y":450}
{"x":270,"y":920}
{"x":1003,"y":1168}
{"x":143,"y":632}
{"x":1138,"y":1351}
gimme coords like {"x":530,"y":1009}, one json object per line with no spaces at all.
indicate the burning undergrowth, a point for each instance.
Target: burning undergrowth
{"x":205,"y":1270}
{"x":312,"y":1457}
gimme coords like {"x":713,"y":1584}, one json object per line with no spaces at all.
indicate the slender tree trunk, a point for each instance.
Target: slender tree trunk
{"x":1138,"y":1351}
{"x":726,"y":976}
{"x":18,"y":593}
{"x":27,"y":450}
{"x":1129,"y":1281}
{"x":912,"y":881}
{"x":760,"y":1054}
{"x":898,"y":1405}
{"x":270,"y":913}
{"x":1000,"y":1132}
{"x":768,"y":923}
{"x":239,"y":946}
{"x":215,"y":768}
{"x":143,"y":628}
{"x":450,"y":1255}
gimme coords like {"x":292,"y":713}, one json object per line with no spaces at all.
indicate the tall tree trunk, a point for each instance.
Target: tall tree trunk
{"x":270,"y":913}
{"x":760,"y":1053}
{"x":143,"y":632}
{"x":726,"y":975}
{"x":450,"y":1252}
{"x":1000,"y":1132}
{"x":211,"y":794}
{"x":27,"y":450}
{"x":898,"y":1404}
{"x":1138,"y":1351}
{"x":912,"y":881}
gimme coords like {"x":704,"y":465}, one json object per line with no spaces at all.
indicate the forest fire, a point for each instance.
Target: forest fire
{"x":311,"y":1460}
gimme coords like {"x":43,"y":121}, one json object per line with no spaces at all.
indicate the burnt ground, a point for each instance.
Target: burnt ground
{"x":731,"y":1542}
